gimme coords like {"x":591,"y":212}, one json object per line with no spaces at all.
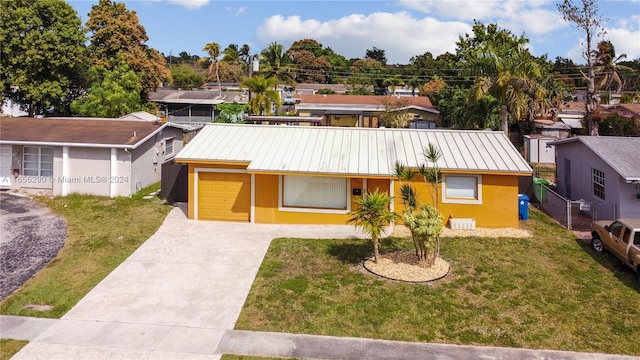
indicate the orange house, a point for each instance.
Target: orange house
{"x":314,"y":175}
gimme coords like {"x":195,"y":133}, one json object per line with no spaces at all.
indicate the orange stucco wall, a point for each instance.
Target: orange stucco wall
{"x":499,"y":206}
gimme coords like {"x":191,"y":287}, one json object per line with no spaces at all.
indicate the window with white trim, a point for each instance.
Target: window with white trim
{"x":168,"y":146}
{"x":37,"y":161}
{"x":598,"y":183}
{"x":462,"y":189}
{"x":314,"y":192}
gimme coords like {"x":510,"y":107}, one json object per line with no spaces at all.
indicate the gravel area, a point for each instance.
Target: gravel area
{"x":404,"y":266}
{"x":30,"y":237}
{"x":403,"y":231}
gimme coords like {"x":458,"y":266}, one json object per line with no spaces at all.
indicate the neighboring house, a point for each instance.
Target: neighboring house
{"x":553,"y":129}
{"x":194,"y":106}
{"x":314,"y":175}
{"x":107,"y":157}
{"x":538,"y":150}
{"x":362,"y":110}
{"x":602,"y":170}
{"x":629,"y":111}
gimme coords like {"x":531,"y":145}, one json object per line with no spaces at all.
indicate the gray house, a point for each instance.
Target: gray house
{"x":602,"y":170}
{"x":106,"y":157}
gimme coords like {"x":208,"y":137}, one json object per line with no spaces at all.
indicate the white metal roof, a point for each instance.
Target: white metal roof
{"x":350,"y":151}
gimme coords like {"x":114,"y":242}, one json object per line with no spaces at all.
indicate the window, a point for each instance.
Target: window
{"x":314,"y":192}
{"x":598,"y":183}
{"x":38,"y":161}
{"x":626,"y":236}
{"x":168,"y":146}
{"x":462,"y":189}
{"x":616,"y":228}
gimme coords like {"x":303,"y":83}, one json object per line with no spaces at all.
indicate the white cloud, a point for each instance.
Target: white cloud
{"x":240,"y":10}
{"x":190,"y":4}
{"x":399,"y":34}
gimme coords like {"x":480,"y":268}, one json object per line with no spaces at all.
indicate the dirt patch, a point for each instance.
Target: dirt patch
{"x":30,"y":237}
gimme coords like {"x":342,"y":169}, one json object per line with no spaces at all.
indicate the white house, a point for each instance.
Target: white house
{"x":107,"y":157}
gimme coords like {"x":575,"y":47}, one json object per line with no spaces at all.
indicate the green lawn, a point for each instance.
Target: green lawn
{"x":8,"y":348}
{"x":550,"y":291}
{"x":102,"y":233}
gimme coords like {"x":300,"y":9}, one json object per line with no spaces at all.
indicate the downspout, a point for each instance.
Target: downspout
{"x":65,"y":171}
{"x":113,"y":185}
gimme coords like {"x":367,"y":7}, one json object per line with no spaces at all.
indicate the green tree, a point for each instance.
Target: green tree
{"x":616,"y":125}
{"x":184,"y":76}
{"x":117,"y":34}
{"x":373,"y":216}
{"x":231,"y":112}
{"x":41,"y":42}
{"x":394,"y":114}
{"x":376,"y":54}
{"x":263,"y":96}
{"x":414,"y":83}
{"x":584,"y":16}
{"x":115,"y":95}
{"x":275,"y":62}
{"x":511,"y":77}
{"x":607,"y":65}
{"x":393,"y":81}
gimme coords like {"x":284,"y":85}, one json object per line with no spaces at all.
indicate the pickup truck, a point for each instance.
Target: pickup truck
{"x":621,"y":238}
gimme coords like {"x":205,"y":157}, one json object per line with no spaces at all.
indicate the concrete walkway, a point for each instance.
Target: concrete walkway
{"x":179,"y":296}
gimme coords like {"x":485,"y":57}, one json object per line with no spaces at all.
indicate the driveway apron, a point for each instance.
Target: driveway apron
{"x":174,"y":297}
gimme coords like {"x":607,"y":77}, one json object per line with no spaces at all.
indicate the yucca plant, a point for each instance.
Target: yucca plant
{"x":373,"y":216}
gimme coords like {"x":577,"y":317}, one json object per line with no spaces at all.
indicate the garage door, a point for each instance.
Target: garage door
{"x":224,"y":196}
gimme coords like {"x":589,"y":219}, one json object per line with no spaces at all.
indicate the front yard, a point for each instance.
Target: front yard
{"x":550,"y":291}
{"x":102,"y":233}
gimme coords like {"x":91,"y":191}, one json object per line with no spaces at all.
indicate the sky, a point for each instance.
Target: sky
{"x":403,"y":28}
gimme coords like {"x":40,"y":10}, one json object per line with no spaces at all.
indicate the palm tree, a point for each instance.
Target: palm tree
{"x":373,"y":216}
{"x":264,"y":95}
{"x":231,"y":54}
{"x":277,"y":63}
{"x":393,"y":81}
{"x":509,"y":77}
{"x":607,"y":65}
{"x":213,"y":49}
{"x":414,"y":83}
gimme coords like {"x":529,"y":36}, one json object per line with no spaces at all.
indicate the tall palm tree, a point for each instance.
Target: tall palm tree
{"x":607,"y":66}
{"x":213,"y":49}
{"x":263,"y":94}
{"x":510,"y":77}
{"x":277,"y":63}
{"x":373,"y":216}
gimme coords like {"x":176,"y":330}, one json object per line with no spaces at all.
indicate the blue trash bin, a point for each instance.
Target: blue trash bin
{"x":523,"y":206}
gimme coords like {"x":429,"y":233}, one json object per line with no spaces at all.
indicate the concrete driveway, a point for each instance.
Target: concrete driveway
{"x":30,"y":236}
{"x":174,"y":297}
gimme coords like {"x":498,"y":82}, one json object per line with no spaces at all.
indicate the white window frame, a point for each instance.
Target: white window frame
{"x":39,"y":168}
{"x":171,"y":141}
{"x":459,"y":200}
{"x":597,"y":180}
{"x":281,"y":207}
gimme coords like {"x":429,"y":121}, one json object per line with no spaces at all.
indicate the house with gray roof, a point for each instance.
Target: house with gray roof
{"x":602,"y":170}
{"x":97,"y":156}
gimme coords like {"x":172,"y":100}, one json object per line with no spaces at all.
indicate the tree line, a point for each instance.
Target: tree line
{"x":490,"y":81}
